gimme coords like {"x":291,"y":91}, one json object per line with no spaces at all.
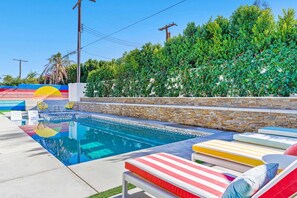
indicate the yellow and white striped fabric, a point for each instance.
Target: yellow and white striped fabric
{"x":241,"y":153}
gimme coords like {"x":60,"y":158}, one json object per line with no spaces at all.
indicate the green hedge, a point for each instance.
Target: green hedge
{"x":249,"y":54}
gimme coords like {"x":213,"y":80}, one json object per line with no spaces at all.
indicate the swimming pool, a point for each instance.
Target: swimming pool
{"x":73,"y":138}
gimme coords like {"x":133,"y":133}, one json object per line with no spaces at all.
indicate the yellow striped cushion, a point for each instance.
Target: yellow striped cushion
{"x":242,"y":153}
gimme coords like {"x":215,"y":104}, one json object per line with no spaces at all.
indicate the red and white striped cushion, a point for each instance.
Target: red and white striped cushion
{"x":179,"y":176}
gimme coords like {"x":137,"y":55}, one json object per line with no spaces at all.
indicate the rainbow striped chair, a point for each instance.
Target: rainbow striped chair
{"x":165,"y":175}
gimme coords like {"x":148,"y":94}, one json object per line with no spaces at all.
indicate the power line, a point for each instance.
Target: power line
{"x":139,"y":21}
{"x":110,"y":39}
{"x":128,"y":26}
{"x":115,"y":41}
{"x":92,"y":54}
{"x":119,"y":42}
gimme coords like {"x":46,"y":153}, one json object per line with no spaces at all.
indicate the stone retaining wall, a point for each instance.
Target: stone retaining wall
{"x":237,"y":102}
{"x":233,"y":119}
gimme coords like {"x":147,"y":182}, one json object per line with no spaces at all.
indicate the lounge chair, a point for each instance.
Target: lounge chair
{"x":165,"y":175}
{"x":16,"y":116}
{"x":289,"y":132}
{"x":269,"y":140}
{"x":42,"y":106}
{"x":33,"y":115}
{"x":234,"y":155}
{"x":69,"y":105}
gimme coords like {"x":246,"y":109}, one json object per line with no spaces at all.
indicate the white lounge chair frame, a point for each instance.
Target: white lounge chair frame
{"x":222,"y":162}
{"x":33,"y":115}
{"x":148,"y":187}
{"x":16,"y":115}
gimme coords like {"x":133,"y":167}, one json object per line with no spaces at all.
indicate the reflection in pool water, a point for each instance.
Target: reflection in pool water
{"x":85,"y":139}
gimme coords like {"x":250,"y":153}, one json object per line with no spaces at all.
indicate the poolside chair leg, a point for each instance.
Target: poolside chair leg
{"x":124,"y":188}
{"x":193,"y":157}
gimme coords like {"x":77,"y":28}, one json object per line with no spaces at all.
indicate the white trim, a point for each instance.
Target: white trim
{"x":223,"y":163}
{"x":260,"y":110}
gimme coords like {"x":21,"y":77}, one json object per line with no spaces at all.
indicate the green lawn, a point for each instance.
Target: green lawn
{"x":3,"y":111}
{"x":111,"y":192}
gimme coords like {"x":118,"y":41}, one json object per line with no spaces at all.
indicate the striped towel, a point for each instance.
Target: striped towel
{"x":179,"y":176}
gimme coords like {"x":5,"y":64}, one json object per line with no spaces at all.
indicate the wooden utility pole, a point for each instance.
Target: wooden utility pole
{"x":78,"y":5}
{"x":166,"y":27}
{"x":20,"y":66}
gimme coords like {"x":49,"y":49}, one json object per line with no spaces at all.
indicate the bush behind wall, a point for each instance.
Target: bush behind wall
{"x":249,"y":54}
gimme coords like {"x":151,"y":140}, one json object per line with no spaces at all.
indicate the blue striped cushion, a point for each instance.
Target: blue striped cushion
{"x":275,"y":141}
{"x":289,"y":132}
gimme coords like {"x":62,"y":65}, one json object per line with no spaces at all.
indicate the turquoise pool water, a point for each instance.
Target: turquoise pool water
{"x":75,"y":140}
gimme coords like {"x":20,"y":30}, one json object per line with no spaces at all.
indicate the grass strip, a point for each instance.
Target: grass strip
{"x":3,"y":111}
{"x":111,"y":192}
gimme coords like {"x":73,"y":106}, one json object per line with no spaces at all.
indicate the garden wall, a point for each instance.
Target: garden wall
{"x":243,"y":102}
{"x":234,"y":114}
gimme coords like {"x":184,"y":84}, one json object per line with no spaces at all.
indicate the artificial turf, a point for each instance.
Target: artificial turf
{"x":3,"y":111}
{"x":111,"y":192}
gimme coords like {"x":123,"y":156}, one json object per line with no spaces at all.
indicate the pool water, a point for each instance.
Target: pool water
{"x":78,"y":140}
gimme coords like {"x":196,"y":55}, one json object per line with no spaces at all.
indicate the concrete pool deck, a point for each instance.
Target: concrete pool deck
{"x":28,"y":170}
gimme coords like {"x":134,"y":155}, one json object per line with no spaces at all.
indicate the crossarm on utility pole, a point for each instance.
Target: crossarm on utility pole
{"x":166,"y":27}
{"x":20,"y":66}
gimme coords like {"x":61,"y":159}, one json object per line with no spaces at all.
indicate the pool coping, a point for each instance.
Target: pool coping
{"x":246,"y":109}
{"x":168,"y":126}
{"x":25,"y":164}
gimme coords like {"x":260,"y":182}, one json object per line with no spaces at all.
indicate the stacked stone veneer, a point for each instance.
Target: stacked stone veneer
{"x":234,"y":114}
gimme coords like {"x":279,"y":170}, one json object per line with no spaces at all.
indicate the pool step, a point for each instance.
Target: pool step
{"x":91,"y":145}
{"x":99,"y":154}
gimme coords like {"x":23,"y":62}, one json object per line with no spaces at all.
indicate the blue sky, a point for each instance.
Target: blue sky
{"x":36,"y":29}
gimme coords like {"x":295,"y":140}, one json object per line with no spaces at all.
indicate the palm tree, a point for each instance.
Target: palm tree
{"x":55,"y":70}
